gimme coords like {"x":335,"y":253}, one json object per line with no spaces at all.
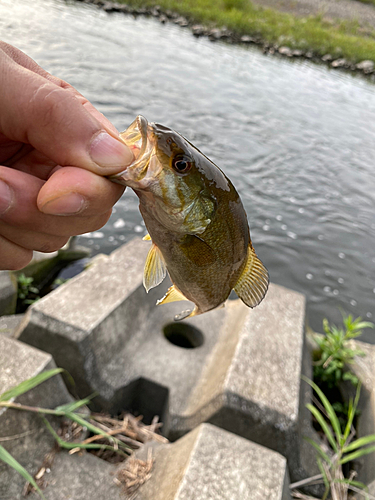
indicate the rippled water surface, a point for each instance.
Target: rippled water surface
{"x":296,"y":139}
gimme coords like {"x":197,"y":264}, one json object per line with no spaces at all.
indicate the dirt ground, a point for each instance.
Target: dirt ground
{"x":351,"y":10}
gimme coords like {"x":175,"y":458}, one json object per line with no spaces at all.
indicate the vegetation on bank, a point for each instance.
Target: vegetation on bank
{"x":339,"y":38}
{"x":334,"y":415}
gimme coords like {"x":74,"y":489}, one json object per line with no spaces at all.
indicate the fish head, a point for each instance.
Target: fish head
{"x":172,"y":178}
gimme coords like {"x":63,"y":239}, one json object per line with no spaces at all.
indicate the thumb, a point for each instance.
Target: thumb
{"x":52,"y":118}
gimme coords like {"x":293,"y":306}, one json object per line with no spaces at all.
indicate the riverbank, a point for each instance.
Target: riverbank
{"x":338,"y":32}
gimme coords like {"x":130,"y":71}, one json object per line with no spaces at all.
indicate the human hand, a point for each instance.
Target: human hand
{"x":55,"y":149}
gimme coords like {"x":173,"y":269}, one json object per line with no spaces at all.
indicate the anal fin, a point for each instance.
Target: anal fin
{"x":186,"y":314}
{"x":172,"y":295}
{"x":253,"y":282}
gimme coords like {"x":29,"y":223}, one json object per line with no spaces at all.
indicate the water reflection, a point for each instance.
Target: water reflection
{"x":298,"y":140}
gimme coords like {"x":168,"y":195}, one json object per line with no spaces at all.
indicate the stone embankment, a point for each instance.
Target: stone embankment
{"x":360,"y":12}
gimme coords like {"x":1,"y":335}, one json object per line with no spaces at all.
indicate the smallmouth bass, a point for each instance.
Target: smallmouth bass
{"x":195,"y":219}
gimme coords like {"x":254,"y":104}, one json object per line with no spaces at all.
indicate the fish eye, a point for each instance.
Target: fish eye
{"x":181,"y":164}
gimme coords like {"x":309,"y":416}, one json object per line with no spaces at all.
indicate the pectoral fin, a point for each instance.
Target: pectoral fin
{"x":253,"y":282}
{"x":146,"y":238}
{"x":155,"y":268}
{"x":172,"y":295}
{"x":199,"y":215}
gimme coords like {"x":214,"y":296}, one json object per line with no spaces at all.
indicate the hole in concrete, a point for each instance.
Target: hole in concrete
{"x":183,"y":335}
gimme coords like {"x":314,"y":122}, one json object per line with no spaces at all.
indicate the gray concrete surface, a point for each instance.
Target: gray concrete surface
{"x":207,"y":464}
{"x":245,"y":377}
{"x":8,"y":293}
{"x":24,"y":434}
{"x":80,"y":477}
{"x":86,"y":320}
{"x":364,"y":368}
{"x":212,"y":464}
{"x":10,"y":324}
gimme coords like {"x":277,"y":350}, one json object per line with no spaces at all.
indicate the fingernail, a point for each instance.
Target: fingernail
{"x":5,"y":197}
{"x":69,"y":204}
{"x":107,"y":151}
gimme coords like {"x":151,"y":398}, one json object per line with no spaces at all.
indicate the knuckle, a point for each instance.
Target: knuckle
{"x":52,"y":245}
{"x":90,"y":224}
{"x":12,"y":256}
{"x":55,"y":102}
{"x":99,"y":221}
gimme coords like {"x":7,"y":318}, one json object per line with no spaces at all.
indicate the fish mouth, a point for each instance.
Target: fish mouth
{"x":140,"y":138}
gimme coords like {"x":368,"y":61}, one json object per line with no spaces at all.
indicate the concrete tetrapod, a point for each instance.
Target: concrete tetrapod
{"x":364,"y":369}
{"x":206,"y":464}
{"x":80,"y":477}
{"x":10,"y":324}
{"x":212,"y":464}
{"x":235,"y":367}
{"x":24,"y":434}
{"x":8,"y":293}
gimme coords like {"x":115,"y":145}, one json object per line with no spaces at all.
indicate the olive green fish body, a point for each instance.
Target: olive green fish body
{"x":195,"y":219}
{"x":217,"y":255}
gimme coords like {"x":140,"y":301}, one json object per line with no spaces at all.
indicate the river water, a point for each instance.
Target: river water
{"x":296,"y":139}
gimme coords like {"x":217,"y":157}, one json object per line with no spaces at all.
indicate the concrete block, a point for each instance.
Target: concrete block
{"x":364,"y":368}
{"x":8,"y":293}
{"x":84,"y":322}
{"x":75,"y":477}
{"x":242,"y":370}
{"x":44,"y":267}
{"x":206,"y":464}
{"x":24,"y":434}
{"x":212,"y":464}
{"x":371,"y":488}
{"x":10,"y":324}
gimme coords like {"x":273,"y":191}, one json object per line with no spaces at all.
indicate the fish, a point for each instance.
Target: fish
{"x":195,"y":220}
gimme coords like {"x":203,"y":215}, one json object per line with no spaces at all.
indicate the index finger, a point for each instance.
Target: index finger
{"x":55,"y":119}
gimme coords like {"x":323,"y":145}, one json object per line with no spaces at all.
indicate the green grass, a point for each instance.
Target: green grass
{"x":345,"y":449}
{"x":339,"y":38}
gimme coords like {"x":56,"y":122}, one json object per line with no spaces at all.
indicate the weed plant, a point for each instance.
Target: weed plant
{"x":333,"y":359}
{"x":332,"y":363}
{"x":27,"y":292}
{"x":344,"y":450}
{"x":68,"y":411}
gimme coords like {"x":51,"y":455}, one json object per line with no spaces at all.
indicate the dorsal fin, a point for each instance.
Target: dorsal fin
{"x":253,"y":282}
{"x":155,"y":268}
{"x":172,"y":295}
